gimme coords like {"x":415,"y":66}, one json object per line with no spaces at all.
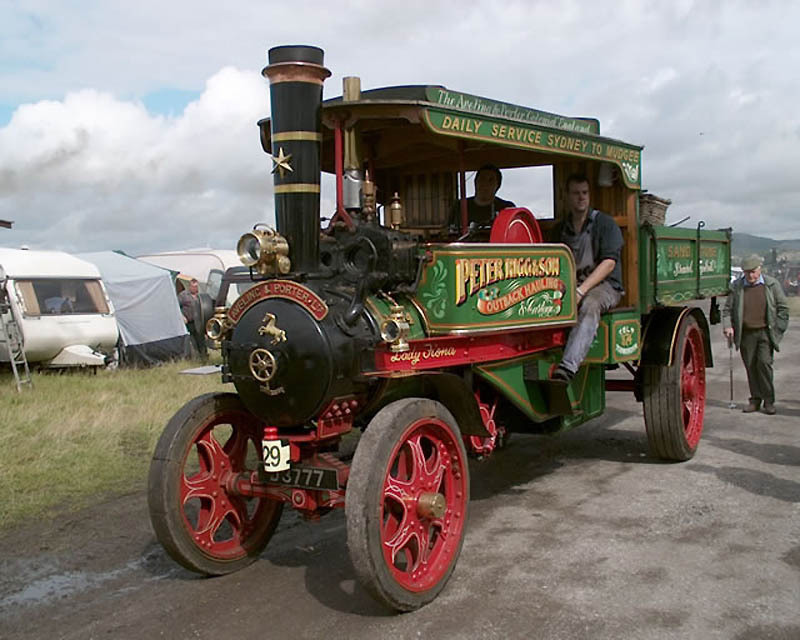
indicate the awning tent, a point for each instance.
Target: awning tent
{"x":150,"y":322}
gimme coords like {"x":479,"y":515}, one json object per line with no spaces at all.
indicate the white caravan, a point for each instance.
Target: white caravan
{"x":61,"y":307}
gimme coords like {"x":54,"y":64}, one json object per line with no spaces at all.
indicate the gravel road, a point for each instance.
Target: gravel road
{"x":577,"y":536}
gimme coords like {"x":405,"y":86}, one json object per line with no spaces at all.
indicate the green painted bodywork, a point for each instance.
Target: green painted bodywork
{"x":618,"y":339}
{"x":677,"y":265}
{"x":472,"y":287}
{"x":538,"y":398}
{"x":467,"y":288}
{"x":379,"y":307}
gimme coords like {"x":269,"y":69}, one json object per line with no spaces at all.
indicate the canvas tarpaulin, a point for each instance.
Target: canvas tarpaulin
{"x":150,"y":322}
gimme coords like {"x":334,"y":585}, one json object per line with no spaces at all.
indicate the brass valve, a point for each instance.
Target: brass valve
{"x":395,"y":328}
{"x":368,"y":205}
{"x":395,"y":212}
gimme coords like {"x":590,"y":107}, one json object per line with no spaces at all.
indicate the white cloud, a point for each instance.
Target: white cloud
{"x":93,"y":172}
{"x":708,"y":88}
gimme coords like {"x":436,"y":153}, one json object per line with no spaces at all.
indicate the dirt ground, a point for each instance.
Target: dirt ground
{"x":577,"y":536}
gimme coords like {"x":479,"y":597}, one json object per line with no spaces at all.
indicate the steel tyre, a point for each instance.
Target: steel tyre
{"x":406,"y":503}
{"x":201,"y":525}
{"x":674,"y":397}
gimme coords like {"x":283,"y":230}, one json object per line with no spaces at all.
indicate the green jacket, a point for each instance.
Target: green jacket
{"x":777,"y":310}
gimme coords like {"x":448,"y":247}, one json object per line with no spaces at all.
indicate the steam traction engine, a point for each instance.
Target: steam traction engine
{"x":434,"y":342}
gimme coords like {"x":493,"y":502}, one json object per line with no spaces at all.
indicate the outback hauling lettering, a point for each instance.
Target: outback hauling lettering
{"x":531,"y":285}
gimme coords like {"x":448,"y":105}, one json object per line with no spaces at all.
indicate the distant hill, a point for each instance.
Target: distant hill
{"x":743,"y":244}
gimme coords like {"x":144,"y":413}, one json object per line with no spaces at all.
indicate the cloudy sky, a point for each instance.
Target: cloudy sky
{"x":131,"y":125}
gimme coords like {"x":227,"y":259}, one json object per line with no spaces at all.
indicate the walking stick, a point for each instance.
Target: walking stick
{"x":731,"y":403}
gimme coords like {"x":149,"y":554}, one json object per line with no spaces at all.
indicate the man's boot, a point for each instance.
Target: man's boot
{"x":755,"y":405}
{"x":769,"y":408}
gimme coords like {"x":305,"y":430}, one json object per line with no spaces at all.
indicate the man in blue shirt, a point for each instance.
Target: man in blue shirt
{"x":596,"y":243}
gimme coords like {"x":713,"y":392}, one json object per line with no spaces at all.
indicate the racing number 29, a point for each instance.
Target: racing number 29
{"x":276,"y":455}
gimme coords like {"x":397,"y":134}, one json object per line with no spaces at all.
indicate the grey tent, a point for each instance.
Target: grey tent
{"x":151,"y":326}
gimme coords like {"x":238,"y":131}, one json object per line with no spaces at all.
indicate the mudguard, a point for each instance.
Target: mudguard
{"x":660,"y":331}
{"x":452,"y":391}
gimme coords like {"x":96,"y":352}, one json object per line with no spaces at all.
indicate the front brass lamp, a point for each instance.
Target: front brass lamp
{"x":264,"y":250}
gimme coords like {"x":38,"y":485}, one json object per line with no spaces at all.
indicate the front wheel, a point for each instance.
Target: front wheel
{"x":201,"y":525}
{"x":675,"y":396}
{"x":406,"y":504}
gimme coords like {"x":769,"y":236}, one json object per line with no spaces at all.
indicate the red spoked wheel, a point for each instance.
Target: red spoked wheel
{"x":675,"y":396}
{"x":406,"y":503}
{"x":202,"y":525}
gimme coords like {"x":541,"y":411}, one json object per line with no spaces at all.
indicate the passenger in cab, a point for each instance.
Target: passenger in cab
{"x":483,"y":207}
{"x":596,"y":243}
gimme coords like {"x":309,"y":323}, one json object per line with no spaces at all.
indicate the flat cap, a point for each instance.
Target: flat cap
{"x":751,"y":262}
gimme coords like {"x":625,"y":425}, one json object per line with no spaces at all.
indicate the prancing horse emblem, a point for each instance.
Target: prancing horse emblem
{"x":269,"y":328}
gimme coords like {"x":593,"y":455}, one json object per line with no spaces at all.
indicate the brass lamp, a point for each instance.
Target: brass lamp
{"x":264,"y":250}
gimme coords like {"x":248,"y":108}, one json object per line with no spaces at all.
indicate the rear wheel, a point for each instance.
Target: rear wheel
{"x":675,"y":396}
{"x":201,"y":525}
{"x":406,"y":504}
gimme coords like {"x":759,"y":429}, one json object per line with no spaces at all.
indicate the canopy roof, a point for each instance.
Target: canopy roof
{"x":407,"y":126}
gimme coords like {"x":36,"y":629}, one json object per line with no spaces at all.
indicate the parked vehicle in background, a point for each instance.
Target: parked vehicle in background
{"x":791,"y":280}
{"x":61,"y":307}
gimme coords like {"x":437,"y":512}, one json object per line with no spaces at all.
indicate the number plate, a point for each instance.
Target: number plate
{"x":304,"y":477}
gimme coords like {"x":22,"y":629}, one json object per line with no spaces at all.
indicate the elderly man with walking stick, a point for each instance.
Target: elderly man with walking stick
{"x":755,"y":317}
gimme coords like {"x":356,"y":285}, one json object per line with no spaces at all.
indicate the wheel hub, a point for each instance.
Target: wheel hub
{"x":431,"y":505}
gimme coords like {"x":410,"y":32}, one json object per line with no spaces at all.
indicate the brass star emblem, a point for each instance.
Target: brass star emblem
{"x":281,"y":162}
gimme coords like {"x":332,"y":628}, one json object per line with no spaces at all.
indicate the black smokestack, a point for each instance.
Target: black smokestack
{"x":296,"y":74}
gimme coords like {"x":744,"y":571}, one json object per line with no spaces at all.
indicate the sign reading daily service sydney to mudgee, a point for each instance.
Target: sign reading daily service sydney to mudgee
{"x":490,"y":287}
{"x":465,"y":116}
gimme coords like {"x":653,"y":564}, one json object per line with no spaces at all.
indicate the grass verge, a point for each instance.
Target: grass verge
{"x":77,"y":435}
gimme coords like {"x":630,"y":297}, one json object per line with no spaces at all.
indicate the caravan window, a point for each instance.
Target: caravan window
{"x":56,"y":296}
